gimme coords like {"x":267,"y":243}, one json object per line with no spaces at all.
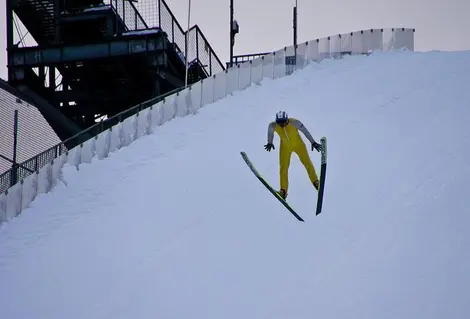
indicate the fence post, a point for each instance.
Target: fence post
{"x":14,"y":169}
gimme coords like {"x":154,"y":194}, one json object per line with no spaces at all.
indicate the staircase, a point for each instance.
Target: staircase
{"x":39,"y":18}
{"x":105,"y":68}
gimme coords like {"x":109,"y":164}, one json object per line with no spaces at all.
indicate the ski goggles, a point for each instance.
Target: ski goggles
{"x":282,"y":122}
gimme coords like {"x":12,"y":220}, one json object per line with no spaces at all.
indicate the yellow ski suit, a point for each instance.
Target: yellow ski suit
{"x":292,"y":142}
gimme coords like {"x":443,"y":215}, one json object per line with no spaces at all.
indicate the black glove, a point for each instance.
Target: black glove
{"x":316,"y":146}
{"x":269,"y":146}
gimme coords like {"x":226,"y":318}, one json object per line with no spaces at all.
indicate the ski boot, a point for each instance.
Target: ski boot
{"x":316,"y":184}
{"x":283,"y":194}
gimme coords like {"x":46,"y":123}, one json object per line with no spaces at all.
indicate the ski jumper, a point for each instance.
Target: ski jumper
{"x":292,"y":142}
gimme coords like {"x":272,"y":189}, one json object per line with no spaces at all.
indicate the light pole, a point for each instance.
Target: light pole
{"x":186,"y":45}
{"x":295,"y":33}
{"x":295,"y":24}
{"x":234,"y":29}
{"x":231,"y":33}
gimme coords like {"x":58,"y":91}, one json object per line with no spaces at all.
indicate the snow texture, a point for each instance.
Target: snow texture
{"x":175,"y":225}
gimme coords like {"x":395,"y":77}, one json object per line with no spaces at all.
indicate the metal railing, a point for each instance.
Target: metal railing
{"x":128,"y":14}
{"x":157,"y":14}
{"x":32,"y":165}
{"x":200,"y":49}
{"x":237,"y":59}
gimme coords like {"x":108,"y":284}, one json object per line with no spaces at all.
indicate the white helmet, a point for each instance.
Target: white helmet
{"x":281,"y":117}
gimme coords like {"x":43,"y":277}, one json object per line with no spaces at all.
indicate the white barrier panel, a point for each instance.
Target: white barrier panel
{"x":142,"y":123}
{"x":115,"y":139}
{"x":188,"y":101}
{"x":45,"y":178}
{"x":154,"y":118}
{"x":312,"y":51}
{"x":279,"y":67}
{"x":372,"y":40}
{"x":181,"y":103}
{"x":268,"y":66}
{"x":324,"y":48}
{"x":387,"y":39}
{"x":256,"y":70}
{"x":129,"y":129}
{"x":3,"y":207}
{"x":289,"y":61}
{"x":88,"y":150}
{"x":405,"y":39}
{"x":207,"y":90}
{"x":335,"y":46}
{"x":195,"y":96}
{"x":220,"y":84}
{"x":103,"y":144}
{"x":244,"y":73}
{"x":169,"y":107}
{"x":56,"y":169}
{"x":301,"y":56}
{"x":346,"y":42}
{"x":30,"y":189}
{"x":232,"y":80}
{"x":397,"y":39}
{"x":357,"y":39}
{"x":74,"y":156}
{"x":13,"y":202}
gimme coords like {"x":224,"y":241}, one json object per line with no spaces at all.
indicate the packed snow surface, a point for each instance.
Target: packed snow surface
{"x":176,"y":226}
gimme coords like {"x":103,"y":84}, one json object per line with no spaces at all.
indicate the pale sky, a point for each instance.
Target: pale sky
{"x":266,"y":25}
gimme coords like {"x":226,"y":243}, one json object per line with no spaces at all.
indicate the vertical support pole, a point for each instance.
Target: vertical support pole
{"x":197,"y":43}
{"x":172,"y":30}
{"x":210,"y":63}
{"x":231,"y":33}
{"x":14,"y":170}
{"x":160,"y":13}
{"x":124,"y":13}
{"x":295,"y":26}
{"x":186,"y":44}
{"x":52,"y":81}
{"x":295,"y":33}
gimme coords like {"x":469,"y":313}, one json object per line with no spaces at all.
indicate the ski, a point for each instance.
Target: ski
{"x":322,"y":175}
{"x":263,"y":181}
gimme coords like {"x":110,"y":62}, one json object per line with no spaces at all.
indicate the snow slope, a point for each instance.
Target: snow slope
{"x":176,"y":226}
